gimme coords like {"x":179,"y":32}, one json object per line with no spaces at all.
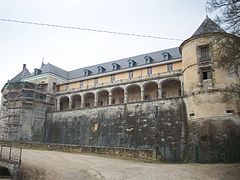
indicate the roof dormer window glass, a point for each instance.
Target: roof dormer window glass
{"x":131,"y":63}
{"x":115,"y":66}
{"x":87,"y":72}
{"x":148,"y":59}
{"x":100,"y":69}
{"x":166,"y":56}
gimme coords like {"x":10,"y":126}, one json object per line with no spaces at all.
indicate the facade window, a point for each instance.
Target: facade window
{"x":206,"y":73}
{"x":112,"y":77}
{"x":148,"y":59}
{"x":130,"y":74}
{"x":115,"y":66}
{"x":204,"y":53}
{"x":149,"y":71}
{"x":169,"y":67}
{"x":81,"y":83}
{"x":95,"y":81}
{"x":131,"y":63}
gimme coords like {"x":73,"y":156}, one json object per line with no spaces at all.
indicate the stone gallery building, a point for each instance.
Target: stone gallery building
{"x":173,"y":100}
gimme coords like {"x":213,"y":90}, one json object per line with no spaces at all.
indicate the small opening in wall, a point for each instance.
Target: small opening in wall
{"x":191,"y":114}
{"x":95,"y":126}
{"x":230,"y":111}
{"x":204,"y":138}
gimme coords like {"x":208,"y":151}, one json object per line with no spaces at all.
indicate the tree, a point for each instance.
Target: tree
{"x":227,"y":53}
{"x":227,"y":14}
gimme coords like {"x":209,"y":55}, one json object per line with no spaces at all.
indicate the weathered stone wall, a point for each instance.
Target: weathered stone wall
{"x":214,"y":140}
{"x":146,"y":125}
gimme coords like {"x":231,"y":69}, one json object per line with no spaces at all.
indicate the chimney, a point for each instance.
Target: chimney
{"x":24,"y":66}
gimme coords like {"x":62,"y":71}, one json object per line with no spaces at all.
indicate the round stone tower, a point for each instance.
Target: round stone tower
{"x":204,"y":83}
{"x":212,"y":113}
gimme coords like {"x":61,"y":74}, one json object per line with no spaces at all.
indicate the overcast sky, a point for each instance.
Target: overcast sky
{"x":72,"y":49}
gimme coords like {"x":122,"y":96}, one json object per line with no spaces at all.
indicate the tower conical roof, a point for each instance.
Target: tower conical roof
{"x":207,"y":26}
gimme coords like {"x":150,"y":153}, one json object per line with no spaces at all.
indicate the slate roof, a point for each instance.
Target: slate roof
{"x":207,"y":26}
{"x":123,"y":63}
{"x":24,"y":73}
{"x":49,"y":68}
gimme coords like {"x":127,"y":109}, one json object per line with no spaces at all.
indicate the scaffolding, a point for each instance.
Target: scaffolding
{"x":17,"y":99}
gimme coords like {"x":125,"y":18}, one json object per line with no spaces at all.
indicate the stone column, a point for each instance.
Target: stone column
{"x":82,"y":101}
{"x":96,"y":100}
{"x":159,"y":91}
{"x":142,"y":94}
{"x":70,"y":103}
{"x":125,"y":96}
{"x":58,"y":104}
{"x":110,"y":98}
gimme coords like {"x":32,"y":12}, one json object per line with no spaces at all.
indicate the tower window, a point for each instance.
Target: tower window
{"x":204,"y":53}
{"x":206,"y":73}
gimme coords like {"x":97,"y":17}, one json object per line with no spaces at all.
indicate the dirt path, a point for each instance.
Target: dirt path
{"x":58,"y":165}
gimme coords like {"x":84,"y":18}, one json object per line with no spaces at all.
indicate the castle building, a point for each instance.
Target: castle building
{"x":172,"y":100}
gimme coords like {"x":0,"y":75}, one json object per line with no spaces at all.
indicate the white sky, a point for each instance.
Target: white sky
{"x":72,"y":49}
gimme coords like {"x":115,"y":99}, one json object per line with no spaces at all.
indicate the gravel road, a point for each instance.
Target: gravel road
{"x":59,"y":165}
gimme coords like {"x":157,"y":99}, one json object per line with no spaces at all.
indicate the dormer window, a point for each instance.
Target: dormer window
{"x":100,"y":69}
{"x":115,"y":66}
{"x":37,"y":71}
{"x":131,"y":63}
{"x":87,"y":72}
{"x":166,"y":56}
{"x":148,"y":60}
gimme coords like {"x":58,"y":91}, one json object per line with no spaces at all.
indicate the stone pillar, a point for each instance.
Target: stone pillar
{"x":82,"y":101}
{"x":125,"y":96}
{"x":182,"y":90}
{"x":96,"y":99}
{"x":142,"y":94}
{"x":70,"y":103}
{"x":58,"y":104}
{"x":110,"y":98}
{"x":159,"y":91}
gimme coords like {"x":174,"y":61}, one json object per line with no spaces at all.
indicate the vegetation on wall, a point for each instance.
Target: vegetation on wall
{"x":227,"y":54}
